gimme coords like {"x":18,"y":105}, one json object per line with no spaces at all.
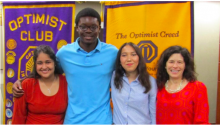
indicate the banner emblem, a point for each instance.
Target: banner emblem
{"x":10,"y":73}
{"x":8,"y":113}
{"x":9,"y":122}
{"x":9,"y":87}
{"x":149,"y":50}
{"x":61,"y":43}
{"x":26,"y":62}
{"x":11,"y":44}
{"x":8,"y":103}
{"x":10,"y":57}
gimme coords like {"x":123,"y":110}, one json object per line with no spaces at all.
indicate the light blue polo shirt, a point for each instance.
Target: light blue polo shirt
{"x":88,"y":76}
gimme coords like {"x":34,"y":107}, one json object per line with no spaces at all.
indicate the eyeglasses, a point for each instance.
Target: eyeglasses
{"x":92,"y":28}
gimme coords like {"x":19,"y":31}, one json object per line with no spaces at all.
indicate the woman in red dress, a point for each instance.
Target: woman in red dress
{"x":181,"y":99}
{"x":45,"y":92}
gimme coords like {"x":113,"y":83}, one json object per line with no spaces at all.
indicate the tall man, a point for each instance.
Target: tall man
{"x":88,"y":64}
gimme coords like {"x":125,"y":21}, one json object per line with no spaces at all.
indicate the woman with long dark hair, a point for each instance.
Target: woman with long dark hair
{"x":181,"y":99}
{"x":133,"y":90}
{"x":45,"y":92}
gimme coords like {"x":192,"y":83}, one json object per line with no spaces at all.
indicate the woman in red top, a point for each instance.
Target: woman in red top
{"x":181,"y":99}
{"x":45,"y":92}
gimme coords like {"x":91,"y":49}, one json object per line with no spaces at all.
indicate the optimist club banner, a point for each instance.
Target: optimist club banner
{"x":28,"y":25}
{"x":153,"y":26}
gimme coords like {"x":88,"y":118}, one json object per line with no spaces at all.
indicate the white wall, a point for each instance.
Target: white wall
{"x":94,"y":5}
{"x":91,"y":4}
{"x":207,"y":20}
{"x":1,"y":95}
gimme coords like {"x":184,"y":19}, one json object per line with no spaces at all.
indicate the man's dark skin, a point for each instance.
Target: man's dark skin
{"x":88,"y":42}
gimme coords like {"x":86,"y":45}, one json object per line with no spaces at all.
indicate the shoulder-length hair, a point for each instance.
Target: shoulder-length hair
{"x":141,"y":69}
{"x":189,"y":71}
{"x":46,"y":50}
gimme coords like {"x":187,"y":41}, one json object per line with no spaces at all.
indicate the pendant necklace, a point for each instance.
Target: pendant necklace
{"x":173,"y":91}
{"x":48,"y":89}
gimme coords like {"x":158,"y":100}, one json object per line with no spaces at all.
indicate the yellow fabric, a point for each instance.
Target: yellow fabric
{"x":130,"y":23}
{"x":117,"y":2}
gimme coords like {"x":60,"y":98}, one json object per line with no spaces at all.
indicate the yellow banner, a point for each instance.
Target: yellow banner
{"x":153,"y":26}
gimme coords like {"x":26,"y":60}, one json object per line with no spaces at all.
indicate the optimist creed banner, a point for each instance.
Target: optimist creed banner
{"x":153,"y":26}
{"x":28,"y":25}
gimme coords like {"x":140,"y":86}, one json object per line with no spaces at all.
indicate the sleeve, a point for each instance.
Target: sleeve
{"x":111,"y":86}
{"x":66,"y":87}
{"x":20,"y":108}
{"x":201,"y":105}
{"x":152,"y":100}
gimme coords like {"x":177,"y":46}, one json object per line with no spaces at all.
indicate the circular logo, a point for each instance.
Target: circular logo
{"x":10,"y":73}
{"x":61,"y":43}
{"x":9,"y":122}
{"x":149,"y":50}
{"x":11,"y":44}
{"x":8,"y":113}
{"x":8,"y":103}
{"x":9,"y":87}
{"x":10,"y":59}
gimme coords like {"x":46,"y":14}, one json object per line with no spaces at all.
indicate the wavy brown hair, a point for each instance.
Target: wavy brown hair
{"x":46,"y":50}
{"x":188,"y":73}
{"x":141,"y":69}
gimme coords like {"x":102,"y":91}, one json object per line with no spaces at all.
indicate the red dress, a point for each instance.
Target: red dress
{"x":188,"y":106}
{"x":36,"y":108}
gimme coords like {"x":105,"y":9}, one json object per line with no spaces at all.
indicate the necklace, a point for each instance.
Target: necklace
{"x":173,"y":91}
{"x":48,"y":89}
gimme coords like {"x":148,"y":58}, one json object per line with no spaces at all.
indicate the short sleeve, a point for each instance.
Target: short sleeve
{"x":152,"y":100}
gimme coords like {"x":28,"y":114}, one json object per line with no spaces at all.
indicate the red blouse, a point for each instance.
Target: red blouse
{"x":36,"y":108}
{"x":188,"y":106}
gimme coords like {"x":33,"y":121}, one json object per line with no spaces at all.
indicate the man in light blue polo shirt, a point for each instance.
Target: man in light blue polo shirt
{"x":88,"y":64}
{"x":88,"y":76}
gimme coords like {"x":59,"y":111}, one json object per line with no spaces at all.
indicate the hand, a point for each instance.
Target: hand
{"x":17,"y":89}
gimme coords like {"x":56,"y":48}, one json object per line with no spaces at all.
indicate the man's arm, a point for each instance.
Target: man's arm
{"x":17,"y":89}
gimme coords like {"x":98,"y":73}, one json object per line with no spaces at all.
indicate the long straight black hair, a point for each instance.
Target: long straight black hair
{"x":141,"y":69}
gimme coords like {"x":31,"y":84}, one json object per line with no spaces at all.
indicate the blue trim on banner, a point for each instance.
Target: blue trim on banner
{"x":192,"y":28}
{"x":6,"y":3}
{"x":142,"y":3}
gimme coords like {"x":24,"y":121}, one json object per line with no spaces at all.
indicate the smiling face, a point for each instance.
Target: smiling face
{"x":45,"y":65}
{"x":129,"y":59}
{"x":88,"y":36}
{"x":175,"y":66}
